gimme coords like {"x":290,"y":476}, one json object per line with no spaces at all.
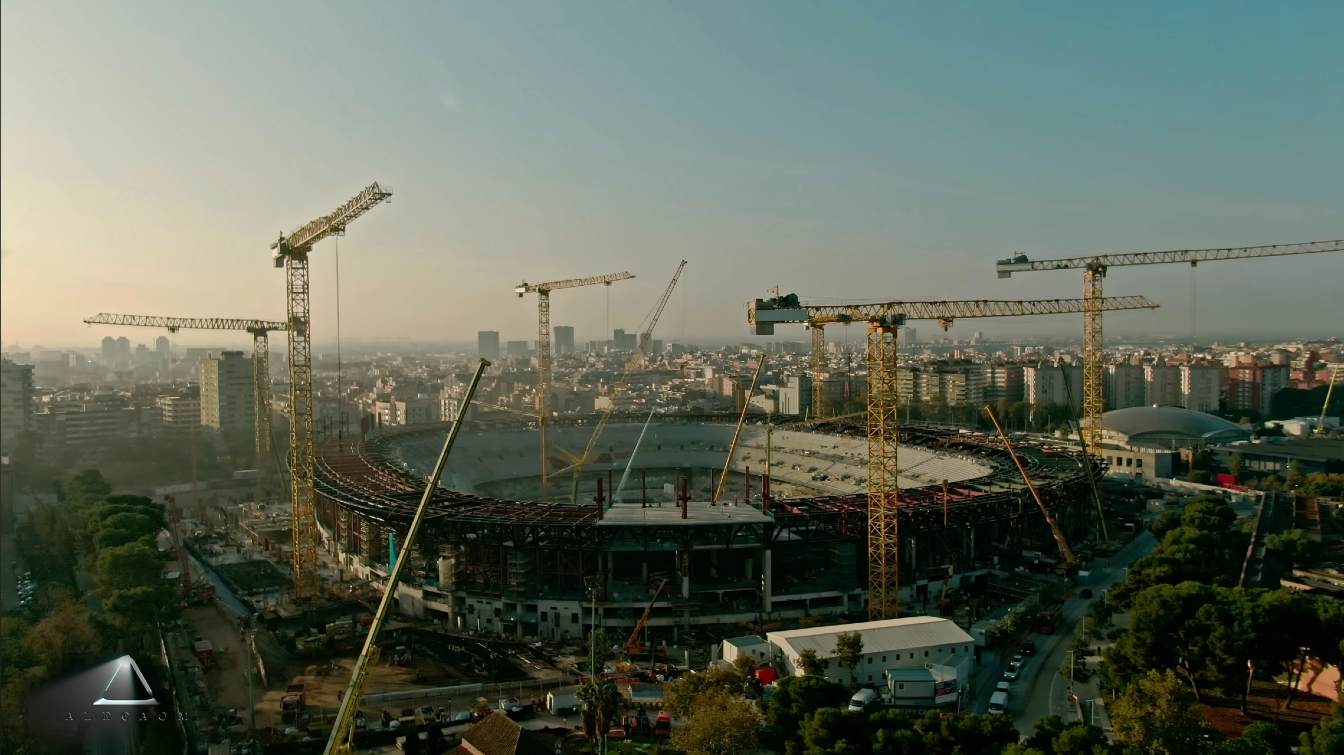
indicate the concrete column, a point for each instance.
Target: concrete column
{"x":685,"y":574}
{"x":746,"y":571}
{"x":767,"y":579}
{"x":644,"y":570}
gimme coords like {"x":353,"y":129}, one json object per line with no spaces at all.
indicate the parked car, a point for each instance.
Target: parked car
{"x":1010,"y":673}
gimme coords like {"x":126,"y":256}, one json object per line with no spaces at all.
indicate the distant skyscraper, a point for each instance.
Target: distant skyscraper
{"x":564,"y":339}
{"x":487,"y":344}
{"x":16,"y":401}
{"x":163,"y":346}
{"x":227,"y":392}
{"x":123,"y":352}
{"x":517,"y":348}
{"x":109,"y":351}
{"x":622,"y":341}
{"x":1202,"y":386}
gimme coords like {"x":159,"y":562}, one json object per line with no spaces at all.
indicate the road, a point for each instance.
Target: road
{"x":1040,"y":691}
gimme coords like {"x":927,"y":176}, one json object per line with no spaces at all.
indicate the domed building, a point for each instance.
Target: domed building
{"x":1168,"y":428}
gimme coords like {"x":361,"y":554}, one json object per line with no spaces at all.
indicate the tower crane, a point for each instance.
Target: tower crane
{"x":1335,"y":371}
{"x":1094,"y":271}
{"x":261,"y":371}
{"x":544,"y":392}
{"x":884,"y":319}
{"x":646,"y":330}
{"x":291,"y":253}
{"x":945,"y":313}
{"x":576,"y":465}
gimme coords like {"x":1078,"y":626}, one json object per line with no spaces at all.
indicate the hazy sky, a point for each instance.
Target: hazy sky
{"x":151,"y":152}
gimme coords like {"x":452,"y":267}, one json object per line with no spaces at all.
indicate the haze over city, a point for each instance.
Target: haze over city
{"x":151,"y":153}
{"x":696,"y":378}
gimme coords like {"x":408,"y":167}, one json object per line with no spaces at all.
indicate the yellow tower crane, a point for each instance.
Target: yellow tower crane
{"x":1094,"y":271}
{"x":545,"y":395}
{"x":291,"y":253}
{"x":1335,"y":371}
{"x":884,"y":319}
{"x":261,"y":371}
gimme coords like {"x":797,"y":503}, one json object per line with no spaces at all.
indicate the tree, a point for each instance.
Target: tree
{"x":849,"y":651}
{"x":810,"y":664}
{"x":1236,"y":465}
{"x":1327,"y":738}
{"x":1155,"y":714}
{"x":63,"y":638}
{"x":1292,"y":547}
{"x":131,"y":565}
{"x":794,"y":699}
{"x":680,"y":695}
{"x":601,"y":698}
{"x":831,"y":730}
{"x":85,"y":488}
{"x":719,"y":724}
{"x":1260,"y":738}
{"x":1295,"y":477}
{"x":744,"y":664}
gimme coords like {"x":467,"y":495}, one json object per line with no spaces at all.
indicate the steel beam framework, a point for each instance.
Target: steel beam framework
{"x":884,"y":565}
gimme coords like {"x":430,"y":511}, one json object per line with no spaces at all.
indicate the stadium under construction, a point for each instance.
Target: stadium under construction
{"x":496,"y":561}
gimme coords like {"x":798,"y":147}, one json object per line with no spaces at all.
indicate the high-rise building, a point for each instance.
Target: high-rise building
{"x":16,"y":401}
{"x":227,"y":393}
{"x":1252,"y":387}
{"x":564,"y":339}
{"x":123,"y":353}
{"x":517,"y":348}
{"x":487,"y":344}
{"x":1162,"y":385}
{"x":622,"y":341}
{"x":1005,"y":383}
{"x":1045,"y":384}
{"x":109,"y":351}
{"x":1201,"y":386}
{"x":163,"y":346}
{"x":795,"y":396}
{"x":181,"y":414}
{"x":1126,"y":386}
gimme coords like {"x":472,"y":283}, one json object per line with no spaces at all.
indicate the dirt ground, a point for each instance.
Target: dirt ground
{"x":226,"y":681}
{"x":1266,"y":704}
{"x":325,"y":683}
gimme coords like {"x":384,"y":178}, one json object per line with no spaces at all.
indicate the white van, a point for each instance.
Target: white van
{"x":998,"y":703}
{"x":863,"y":700}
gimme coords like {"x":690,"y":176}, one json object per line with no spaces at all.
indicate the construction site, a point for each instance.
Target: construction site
{"x":491,"y":565}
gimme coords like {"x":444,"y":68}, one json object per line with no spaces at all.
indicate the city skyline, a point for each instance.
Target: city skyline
{"x":792,"y":150}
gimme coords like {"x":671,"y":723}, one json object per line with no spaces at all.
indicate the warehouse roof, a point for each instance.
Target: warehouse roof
{"x":888,"y":635}
{"x":740,"y":643}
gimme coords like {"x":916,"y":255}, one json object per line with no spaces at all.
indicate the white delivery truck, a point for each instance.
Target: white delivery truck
{"x":998,"y":703}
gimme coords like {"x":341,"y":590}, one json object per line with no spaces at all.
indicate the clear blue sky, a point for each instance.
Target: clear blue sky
{"x":151,"y":152}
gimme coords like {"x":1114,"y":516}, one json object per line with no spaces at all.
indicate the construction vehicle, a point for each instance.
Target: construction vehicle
{"x":291,"y":253}
{"x":341,"y":738}
{"x":884,"y":319}
{"x":1094,"y":269}
{"x":1068,"y":564}
{"x":545,"y":389}
{"x":634,"y":646}
{"x":261,"y":370}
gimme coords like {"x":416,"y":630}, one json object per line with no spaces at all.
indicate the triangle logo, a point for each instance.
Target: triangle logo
{"x":126,"y":685}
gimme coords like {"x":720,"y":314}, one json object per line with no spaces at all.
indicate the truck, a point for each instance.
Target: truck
{"x":562,"y":701}
{"x":864,"y":699}
{"x":998,"y":703}
{"x":291,"y":704}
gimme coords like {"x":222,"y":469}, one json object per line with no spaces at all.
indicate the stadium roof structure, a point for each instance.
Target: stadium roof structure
{"x":1167,"y":425}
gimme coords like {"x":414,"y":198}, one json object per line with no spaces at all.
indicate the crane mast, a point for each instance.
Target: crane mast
{"x":1094,"y":271}
{"x":646,"y":334}
{"x":261,"y":371}
{"x":291,"y":253}
{"x":545,"y":392}
{"x":884,"y":321}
